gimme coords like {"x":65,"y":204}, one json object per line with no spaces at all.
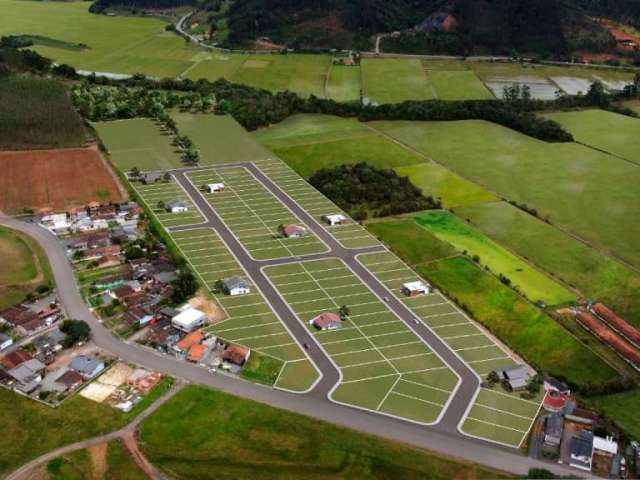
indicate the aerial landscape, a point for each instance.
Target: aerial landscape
{"x":291,"y":239}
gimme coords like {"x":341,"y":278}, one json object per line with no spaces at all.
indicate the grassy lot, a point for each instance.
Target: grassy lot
{"x":159,"y":195}
{"x":73,"y":466}
{"x":234,"y":438}
{"x":392,"y":80}
{"x":622,"y":408}
{"x":599,"y":190}
{"x":458,"y":85}
{"x":344,"y":83}
{"x":214,"y":65}
{"x":531,"y":282}
{"x":611,"y":132}
{"x":596,"y":275}
{"x":220,"y":139}
{"x":25,"y":266}
{"x":262,"y":369}
{"x":138,"y":143}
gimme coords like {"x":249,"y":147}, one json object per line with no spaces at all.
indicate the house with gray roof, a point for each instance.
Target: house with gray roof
{"x":86,"y":366}
{"x":177,"y":206}
{"x":236,"y":286}
{"x":517,"y":377}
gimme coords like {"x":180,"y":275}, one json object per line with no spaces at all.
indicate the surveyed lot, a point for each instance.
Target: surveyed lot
{"x":55,"y":179}
{"x":385,"y":367}
{"x":254,"y":215}
{"x":249,"y":319}
{"x":139,"y":143}
{"x":471,"y":343}
{"x":160,"y":195}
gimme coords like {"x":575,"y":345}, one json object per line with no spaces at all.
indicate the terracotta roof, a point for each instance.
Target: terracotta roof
{"x":235,"y":354}
{"x":293,"y":229}
{"x":18,"y":315}
{"x":196,"y":352}
{"x":70,"y":379}
{"x":108,"y":259}
{"x":190,"y":340}
{"x":325,"y":319}
{"x":554,"y":403}
{"x":123,"y":291}
{"x":13,"y":359}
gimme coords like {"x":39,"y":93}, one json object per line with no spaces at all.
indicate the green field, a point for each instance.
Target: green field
{"x":622,"y":408}
{"x":138,"y":143}
{"x":158,"y":195}
{"x":230,"y":437}
{"x":522,"y":276}
{"x":220,"y":139}
{"x":395,"y":80}
{"x":596,"y":275}
{"x":212,"y":66}
{"x":344,"y":83}
{"x":611,"y":132}
{"x":458,"y":85}
{"x":599,"y":192}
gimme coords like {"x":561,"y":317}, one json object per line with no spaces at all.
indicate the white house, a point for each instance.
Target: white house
{"x":177,"y":206}
{"x":189,"y":319}
{"x":5,"y":341}
{"x":293,"y":231}
{"x":336,"y":219}
{"x":236,"y":286}
{"x":415,"y":288}
{"x":215,"y":187}
{"x":605,"y":446}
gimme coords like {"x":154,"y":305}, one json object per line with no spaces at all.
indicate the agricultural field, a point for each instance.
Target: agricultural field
{"x":24,"y":267}
{"x":37,"y":113}
{"x":219,"y":138}
{"x":55,"y":179}
{"x":248,"y":318}
{"x":522,"y":276}
{"x":343,"y":84}
{"x":622,"y":408}
{"x":458,"y":85}
{"x":214,"y":65}
{"x":234,"y":437}
{"x":140,"y":143}
{"x":384,"y":366}
{"x":254,"y":215}
{"x":601,"y":188}
{"x":611,"y":132}
{"x":596,"y":275}
{"x":158,"y":195}
{"x":393,"y":80}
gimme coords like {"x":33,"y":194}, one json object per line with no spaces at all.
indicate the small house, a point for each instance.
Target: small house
{"x":293,"y":231}
{"x":236,"y":354}
{"x":109,"y":261}
{"x":193,"y":338}
{"x":605,"y":446}
{"x":5,"y":341}
{"x":177,"y":206}
{"x":236,"y":286}
{"x":516,"y":377}
{"x":581,"y":449}
{"x":335,"y":219}
{"x":150,"y":177}
{"x":553,"y":385}
{"x":327,"y":321}
{"x":189,"y":319}
{"x":215,"y":187}
{"x":553,"y":429}
{"x":86,"y":366}
{"x":413,"y":289}
{"x":15,"y":358}
{"x":196,"y":353}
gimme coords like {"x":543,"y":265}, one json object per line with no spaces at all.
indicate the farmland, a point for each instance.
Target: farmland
{"x":56,"y":179}
{"x":395,"y":80}
{"x":458,"y":85}
{"x":343,"y":83}
{"x":158,"y":196}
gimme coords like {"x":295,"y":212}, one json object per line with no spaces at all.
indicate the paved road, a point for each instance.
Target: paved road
{"x":317,"y":406}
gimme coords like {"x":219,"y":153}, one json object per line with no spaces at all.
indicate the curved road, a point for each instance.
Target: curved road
{"x":316,"y":405}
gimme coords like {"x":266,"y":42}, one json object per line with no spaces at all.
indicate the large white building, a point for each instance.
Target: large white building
{"x":189,"y":319}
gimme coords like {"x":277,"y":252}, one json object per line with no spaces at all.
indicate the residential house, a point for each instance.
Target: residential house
{"x":150,"y":177}
{"x":56,"y":223}
{"x":413,"y":289}
{"x":61,"y":380}
{"x":138,"y":315}
{"x":196,"y":353}
{"x":109,"y":261}
{"x":581,"y":450}
{"x":236,"y":354}
{"x":293,"y":231}
{"x":86,"y":366}
{"x":236,"y":286}
{"x":516,"y":377}
{"x":96,"y":253}
{"x":327,"y":321}
{"x":335,"y":219}
{"x":177,"y":206}
{"x":215,"y":187}
{"x":5,"y":341}
{"x":17,"y":315}
{"x":122,"y":293}
{"x":31,"y":326}
{"x":189,"y":319}
{"x":28,"y":375}
{"x":15,"y":358}
{"x":551,"y":385}
{"x":553,"y":429}
{"x":193,"y":338}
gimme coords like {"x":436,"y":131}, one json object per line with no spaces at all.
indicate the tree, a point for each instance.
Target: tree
{"x":134,"y":172}
{"x":219,"y":286}
{"x":184,"y":286}
{"x":344,"y":312}
{"x":597,"y":95}
{"x":76,"y":331}
{"x":166,"y":177}
{"x":160,"y":205}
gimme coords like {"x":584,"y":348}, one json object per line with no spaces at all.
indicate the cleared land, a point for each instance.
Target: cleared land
{"x":392,"y":80}
{"x":596,"y":275}
{"x":55,"y":179}
{"x":159,"y":195}
{"x":344,"y":83}
{"x":233,"y":437}
{"x":254,"y":215}
{"x":458,"y":85}
{"x":138,"y":143}
{"x":385,"y":367}
{"x":607,"y":131}
{"x":600,"y":191}
{"x":532,"y":283}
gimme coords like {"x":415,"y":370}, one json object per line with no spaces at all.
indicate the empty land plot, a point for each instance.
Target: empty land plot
{"x":215,"y":66}
{"x":220,"y":139}
{"x":344,"y":83}
{"x":158,"y":197}
{"x":56,"y":179}
{"x":601,"y":190}
{"x":254,"y":215}
{"x":539,"y":88}
{"x":249,"y":319}
{"x":138,"y":143}
{"x":385,"y":367}
{"x":608,"y":131}
{"x":350,"y":235}
{"x":458,"y":85}
{"x":393,"y":80}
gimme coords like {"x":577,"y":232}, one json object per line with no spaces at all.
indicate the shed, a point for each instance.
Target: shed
{"x":516,"y":376}
{"x":236,"y":286}
{"x":335,"y":219}
{"x":236,"y":354}
{"x":327,"y":321}
{"x":177,"y":206}
{"x":215,"y":187}
{"x":415,"y":288}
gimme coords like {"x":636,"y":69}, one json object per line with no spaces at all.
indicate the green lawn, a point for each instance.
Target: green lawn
{"x":589,"y":193}
{"x":344,"y":83}
{"x":220,"y":139}
{"x":611,"y":132}
{"x":138,"y":143}
{"x":622,"y":408}
{"x":392,"y":80}
{"x":522,"y":276}
{"x":234,"y":438}
{"x":212,"y":66}
{"x":262,"y":369}
{"x":596,"y":275}
{"x":458,"y":85}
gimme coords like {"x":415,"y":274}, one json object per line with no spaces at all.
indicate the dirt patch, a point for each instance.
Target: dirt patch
{"x":98,"y":456}
{"x":208,"y":306}
{"x":38,"y":473}
{"x":131,"y":443}
{"x":55,"y":179}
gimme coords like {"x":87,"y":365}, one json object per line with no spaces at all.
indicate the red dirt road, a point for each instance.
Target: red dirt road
{"x":56,"y":179}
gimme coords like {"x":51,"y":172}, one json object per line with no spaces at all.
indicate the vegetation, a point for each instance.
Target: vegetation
{"x":233,"y":437}
{"x":262,"y":369}
{"x":75,"y":331}
{"x":363,"y":190}
{"x":622,"y":408}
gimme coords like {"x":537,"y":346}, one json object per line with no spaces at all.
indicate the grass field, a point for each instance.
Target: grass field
{"x":230,"y":437}
{"x":395,"y":80}
{"x":523,"y":277}
{"x":344,"y":83}
{"x":138,"y":143}
{"x":622,"y":408}
{"x":253,"y":214}
{"x":458,"y":85}
{"x":599,"y":190}
{"x":611,"y":132}
{"x":596,"y":275}
{"x":158,"y":195}
{"x":220,"y":139}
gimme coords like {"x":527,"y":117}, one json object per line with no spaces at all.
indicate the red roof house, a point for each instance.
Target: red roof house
{"x":236,"y":354}
{"x":13,"y":359}
{"x":327,"y":321}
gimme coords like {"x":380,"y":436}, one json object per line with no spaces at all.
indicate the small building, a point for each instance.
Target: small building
{"x":196,"y":353}
{"x":335,"y":219}
{"x":5,"y":341}
{"x":193,"y":338}
{"x":236,"y":354}
{"x":554,"y":401}
{"x":605,"y":446}
{"x":516,"y":377}
{"x":189,"y":319}
{"x":553,"y":428}
{"x":150,"y":177}
{"x":581,"y":449}
{"x":86,"y":366}
{"x":553,"y":385}
{"x":413,"y":289}
{"x":293,"y":231}
{"x":109,"y":261}
{"x":215,"y":187}
{"x":177,"y":206}
{"x":236,"y":286}
{"x":62,"y":380}
{"x":15,"y":358}
{"x":327,"y":321}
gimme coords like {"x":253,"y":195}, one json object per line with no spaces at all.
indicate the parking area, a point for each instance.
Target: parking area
{"x":249,"y":319}
{"x":254,"y":215}
{"x":496,"y":415}
{"x":350,"y":235}
{"x":385,"y":366}
{"x":159,"y":197}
